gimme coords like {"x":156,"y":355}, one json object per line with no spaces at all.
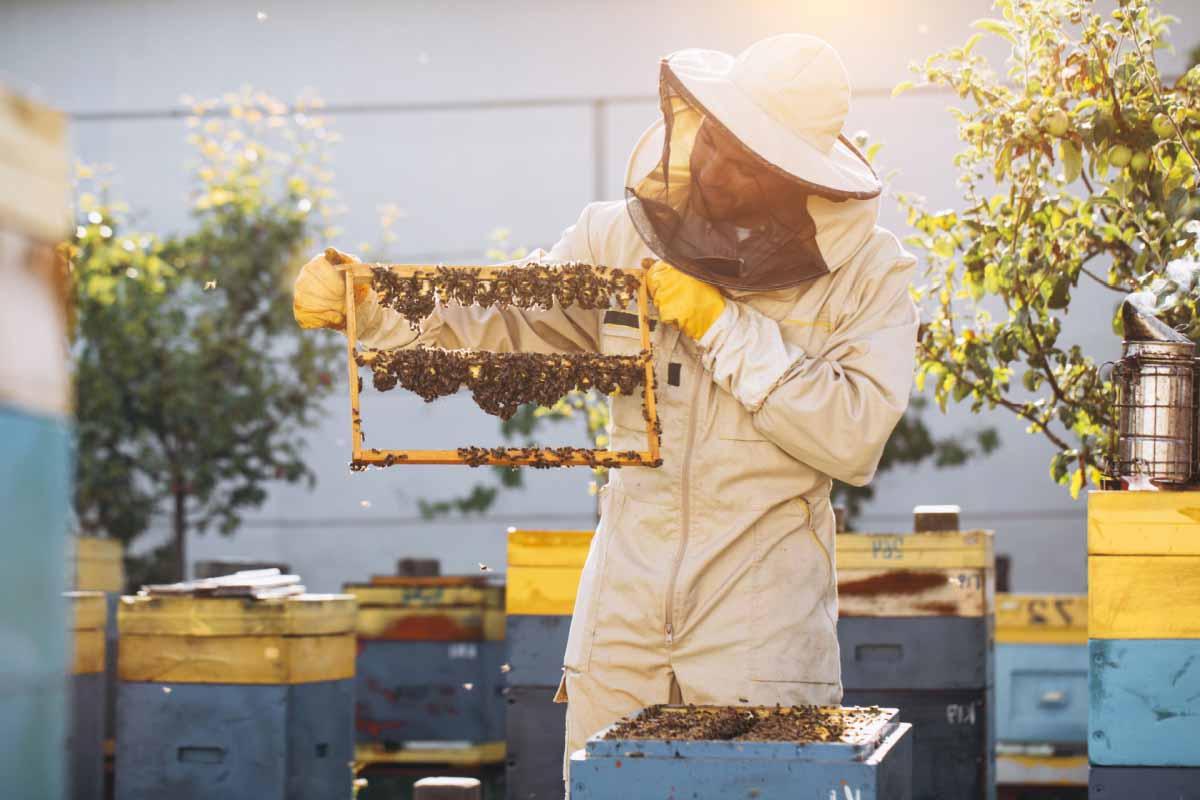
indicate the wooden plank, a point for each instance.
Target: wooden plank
{"x":34,"y":169}
{"x":915,"y":592}
{"x":236,"y":659}
{"x":402,"y":595}
{"x":1052,"y":770}
{"x":421,"y":753}
{"x":1041,"y":618}
{"x":352,"y":367}
{"x":1145,"y":702}
{"x":313,"y":615}
{"x":971,"y":549}
{"x":1144,"y":597}
{"x":548,"y":548}
{"x":517,"y":457}
{"x":1144,"y":523}
{"x":649,"y":402}
{"x":361,"y":269}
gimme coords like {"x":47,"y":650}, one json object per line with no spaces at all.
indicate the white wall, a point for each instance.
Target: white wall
{"x":122,"y":65}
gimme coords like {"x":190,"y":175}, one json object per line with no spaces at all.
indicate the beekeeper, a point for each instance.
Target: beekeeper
{"x":784,"y":356}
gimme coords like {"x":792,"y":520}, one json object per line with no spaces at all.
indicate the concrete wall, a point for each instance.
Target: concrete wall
{"x":505,"y":131}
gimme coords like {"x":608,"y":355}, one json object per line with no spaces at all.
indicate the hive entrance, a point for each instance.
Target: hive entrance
{"x":499,"y":382}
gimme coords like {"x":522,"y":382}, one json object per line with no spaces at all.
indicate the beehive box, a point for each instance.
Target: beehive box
{"x":543,"y":577}
{"x":535,"y":727}
{"x":98,"y":565}
{"x":236,"y":698}
{"x":1042,"y":669}
{"x":35,"y":459}
{"x":766,"y":753}
{"x":1144,"y":628}
{"x":915,"y":630}
{"x":429,"y":685}
{"x":952,"y":738}
{"x":1144,"y":783}
{"x":86,"y":688}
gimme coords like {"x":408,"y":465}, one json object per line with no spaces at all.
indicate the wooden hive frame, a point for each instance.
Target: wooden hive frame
{"x":513,"y":456}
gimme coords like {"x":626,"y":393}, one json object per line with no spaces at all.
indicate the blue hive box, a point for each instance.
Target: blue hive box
{"x":1144,"y":783}
{"x":235,"y":698}
{"x":544,"y":568}
{"x":86,"y":687}
{"x":871,"y":762}
{"x":429,"y":684}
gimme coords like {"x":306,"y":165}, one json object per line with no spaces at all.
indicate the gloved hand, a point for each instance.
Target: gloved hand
{"x":319,"y":294}
{"x":681,"y":299}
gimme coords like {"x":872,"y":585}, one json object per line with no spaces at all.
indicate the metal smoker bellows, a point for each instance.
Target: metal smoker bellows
{"x":1156,"y":402}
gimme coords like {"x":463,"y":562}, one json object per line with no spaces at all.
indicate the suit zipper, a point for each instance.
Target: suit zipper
{"x":684,"y":509}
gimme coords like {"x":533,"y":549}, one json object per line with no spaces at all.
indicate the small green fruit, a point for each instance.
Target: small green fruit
{"x":1120,"y":155}
{"x":1162,"y":126}
{"x":1056,"y":123}
{"x":1140,"y":161}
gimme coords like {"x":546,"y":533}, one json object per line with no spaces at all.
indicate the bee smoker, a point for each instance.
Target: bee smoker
{"x":1156,"y":405}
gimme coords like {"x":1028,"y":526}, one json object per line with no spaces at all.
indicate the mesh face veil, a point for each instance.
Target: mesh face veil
{"x":715,"y":209}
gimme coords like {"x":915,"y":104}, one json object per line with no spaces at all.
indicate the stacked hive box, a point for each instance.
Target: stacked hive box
{"x":1041,"y":690}
{"x":874,"y":763}
{"x":35,"y":457}
{"x":98,"y":565}
{"x":429,"y":687}
{"x":543,"y":577}
{"x":236,"y":698}
{"x":1144,"y":644}
{"x":915,"y":630}
{"x":86,"y":689}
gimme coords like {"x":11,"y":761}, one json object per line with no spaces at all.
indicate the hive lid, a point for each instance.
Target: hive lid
{"x":867,"y":729}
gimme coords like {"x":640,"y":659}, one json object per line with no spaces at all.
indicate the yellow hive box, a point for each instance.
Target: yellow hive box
{"x":441,"y":608}
{"x":88,"y":621}
{"x":1041,"y":618}
{"x":943,"y":550}
{"x":1144,"y":565}
{"x":947,"y":573}
{"x":544,"y":569}
{"x":98,"y":565}
{"x":235,"y":640}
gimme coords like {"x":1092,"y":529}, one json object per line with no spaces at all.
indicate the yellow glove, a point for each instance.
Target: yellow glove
{"x":319,"y":294}
{"x":681,"y":299}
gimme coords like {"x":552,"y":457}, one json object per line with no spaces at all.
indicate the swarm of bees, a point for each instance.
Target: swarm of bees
{"x":548,"y":458}
{"x":502,"y":382}
{"x":530,"y":286}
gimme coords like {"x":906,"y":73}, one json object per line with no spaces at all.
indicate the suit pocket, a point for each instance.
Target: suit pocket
{"x":588,"y":597}
{"x":794,"y":591}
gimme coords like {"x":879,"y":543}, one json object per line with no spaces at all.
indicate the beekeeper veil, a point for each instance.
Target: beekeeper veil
{"x":724,"y":186}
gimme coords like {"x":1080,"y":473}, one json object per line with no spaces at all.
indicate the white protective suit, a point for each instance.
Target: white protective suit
{"x":711,"y":579}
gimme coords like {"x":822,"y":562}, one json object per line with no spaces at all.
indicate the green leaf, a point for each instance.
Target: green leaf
{"x":1076,"y":483}
{"x":997,"y":27}
{"x":902,"y":87}
{"x":1072,"y":160}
